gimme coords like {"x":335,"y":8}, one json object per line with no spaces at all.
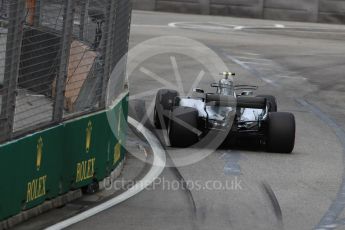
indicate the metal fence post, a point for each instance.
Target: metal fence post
{"x":122,"y":28}
{"x":38,"y":13}
{"x":205,"y":6}
{"x":4,"y":10}
{"x":120,"y":44}
{"x":12,"y":60}
{"x":316,"y":11}
{"x":262,"y":8}
{"x":107,"y":47}
{"x":83,"y":18}
{"x":66,"y":41}
{"x":33,"y":12}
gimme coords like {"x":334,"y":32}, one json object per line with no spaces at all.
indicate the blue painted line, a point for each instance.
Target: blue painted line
{"x":232,"y":166}
{"x":232,"y":169}
{"x":329,"y":220}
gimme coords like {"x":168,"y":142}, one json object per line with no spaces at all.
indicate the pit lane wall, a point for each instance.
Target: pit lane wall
{"x":325,"y":11}
{"x":69,"y":156}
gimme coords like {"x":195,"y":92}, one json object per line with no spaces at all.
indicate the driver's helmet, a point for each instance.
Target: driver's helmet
{"x":225,"y":87}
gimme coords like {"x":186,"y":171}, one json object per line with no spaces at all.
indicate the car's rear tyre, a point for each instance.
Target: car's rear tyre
{"x":281,"y":132}
{"x":183,"y":125}
{"x":272,"y":102}
{"x":163,"y":105}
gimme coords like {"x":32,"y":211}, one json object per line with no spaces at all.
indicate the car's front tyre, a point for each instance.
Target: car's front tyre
{"x":183,"y":127}
{"x":163,"y":105}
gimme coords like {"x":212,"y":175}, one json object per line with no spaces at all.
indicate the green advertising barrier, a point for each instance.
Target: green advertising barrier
{"x":52,"y":162}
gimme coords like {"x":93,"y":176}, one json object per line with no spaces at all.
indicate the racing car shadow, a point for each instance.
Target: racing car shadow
{"x":252,"y":145}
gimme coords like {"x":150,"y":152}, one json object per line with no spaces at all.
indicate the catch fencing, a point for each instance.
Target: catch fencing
{"x":56,"y":58}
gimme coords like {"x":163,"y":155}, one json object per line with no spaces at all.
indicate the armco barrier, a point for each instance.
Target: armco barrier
{"x":52,"y":162}
{"x":295,"y":10}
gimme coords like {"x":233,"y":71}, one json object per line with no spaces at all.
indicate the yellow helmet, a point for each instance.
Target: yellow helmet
{"x":227,"y":74}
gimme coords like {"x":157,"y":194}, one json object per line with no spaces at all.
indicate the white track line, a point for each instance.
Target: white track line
{"x":252,"y":54}
{"x":200,"y":25}
{"x":153,"y":26}
{"x":257,"y":63}
{"x":255,"y":59}
{"x":159,"y":161}
{"x":239,"y":27}
{"x":279,"y":26}
{"x":172,"y":24}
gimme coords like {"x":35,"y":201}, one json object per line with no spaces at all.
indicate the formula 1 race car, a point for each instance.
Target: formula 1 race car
{"x":231,"y":108}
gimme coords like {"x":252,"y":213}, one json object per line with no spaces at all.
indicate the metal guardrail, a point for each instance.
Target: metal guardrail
{"x":56,"y":57}
{"x":324,"y":11}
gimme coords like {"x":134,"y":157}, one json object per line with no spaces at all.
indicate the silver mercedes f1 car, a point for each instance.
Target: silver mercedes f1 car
{"x":232,"y":109}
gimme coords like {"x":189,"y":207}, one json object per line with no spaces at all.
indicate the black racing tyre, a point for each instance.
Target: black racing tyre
{"x":272,"y":102}
{"x":281,"y":132}
{"x":163,"y":105}
{"x":183,"y":127}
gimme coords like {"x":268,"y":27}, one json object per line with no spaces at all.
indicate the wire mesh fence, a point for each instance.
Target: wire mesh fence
{"x":56,"y":57}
